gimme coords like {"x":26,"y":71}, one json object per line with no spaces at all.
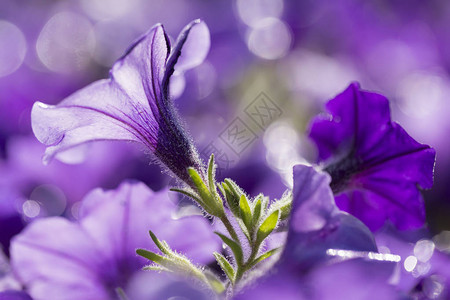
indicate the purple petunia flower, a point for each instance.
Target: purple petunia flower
{"x":11,"y":222}
{"x":14,"y":295}
{"x":308,"y":267}
{"x":153,"y":285}
{"x":353,"y":279}
{"x":133,"y":104}
{"x":423,"y":270}
{"x":316,"y":224}
{"x":58,"y":259}
{"x":375,"y":166}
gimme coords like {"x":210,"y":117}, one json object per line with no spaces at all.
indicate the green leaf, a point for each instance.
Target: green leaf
{"x":161,"y":246}
{"x":231,"y":197}
{"x":211,"y":203}
{"x":257,"y":211}
{"x":225,"y":265}
{"x":235,"y":248}
{"x":156,"y":258}
{"x":222,"y":190}
{"x":211,"y":169}
{"x":245,"y":212}
{"x":285,"y":211}
{"x":284,"y":205}
{"x":202,"y":189}
{"x":189,"y":194}
{"x":267,"y":226}
{"x":263,"y":257}
{"x":265,"y":202}
{"x":237,"y":191}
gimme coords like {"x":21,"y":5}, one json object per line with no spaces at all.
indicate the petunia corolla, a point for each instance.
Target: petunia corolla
{"x":423,"y":272}
{"x":305,"y":269}
{"x":316,"y":224}
{"x":90,"y":259}
{"x":132,"y":105}
{"x":14,"y":295}
{"x":375,"y":166}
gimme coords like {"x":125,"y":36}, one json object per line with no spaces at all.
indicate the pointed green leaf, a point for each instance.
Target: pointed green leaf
{"x":189,"y":194}
{"x":285,"y":211}
{"x":211,"y":169}
{"x":257,"y":211}
{"x":263,"y":257}
{"x":202,"y":189}
{"x":284,"y":205}
{"x":245,"y":212}
{"x":237,"y":191}
{"x":231,"y":197}
{"x":161,"y":246}
{"x":235,"y":247}
{"x":211,"y":203}
{"x":222,"y":190}
{"x":156,"y":258}
{"x":267,"y":226}
{"x":225,"y":265}
{"x":265,"y":202}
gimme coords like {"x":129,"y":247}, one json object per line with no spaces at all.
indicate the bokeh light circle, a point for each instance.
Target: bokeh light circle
{"x":271,"y":39}
{"x":50,"y":199}
{"x":66,"y":43}
{"x":13,"y":47}
{"x":108,"y":9}
{"x":251,"y":12}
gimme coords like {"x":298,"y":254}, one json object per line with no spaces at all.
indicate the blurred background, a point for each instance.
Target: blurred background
{"x":293,"y":55}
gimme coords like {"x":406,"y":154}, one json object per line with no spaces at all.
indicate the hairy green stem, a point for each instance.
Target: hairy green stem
{"x":229,"y":227}
{"x":244,"y":268}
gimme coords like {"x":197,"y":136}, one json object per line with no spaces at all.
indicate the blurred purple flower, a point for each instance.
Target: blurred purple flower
{"x":14,"y":295}
{"x":375,"y":166}
{"x":30,"y":190}
{"x":353,"y":279}
{"x":133,"y":104}
{"x":11,"y":222}
{"x":152,"y":285}
{"x":7,"y":280}
{"x":316,"y":224}
{"x":423,"y":270}
{"x":306,"y":269}
{"x":55,"y":258}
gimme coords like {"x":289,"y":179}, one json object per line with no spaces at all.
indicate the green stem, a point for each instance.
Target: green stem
{"x":208,"y":193}
{"x":244,"y":268}
{"x":121,"y":294}
{"x":229,"y":227}
{"x":241,"y":267}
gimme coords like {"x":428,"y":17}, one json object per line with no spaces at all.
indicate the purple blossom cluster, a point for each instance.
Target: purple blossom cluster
{"x":107,"y":195}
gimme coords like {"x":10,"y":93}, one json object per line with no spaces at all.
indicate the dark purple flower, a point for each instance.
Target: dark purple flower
{"x":375,"y":166}
{"x":133,"y":104}
{"x":55,"y":258}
